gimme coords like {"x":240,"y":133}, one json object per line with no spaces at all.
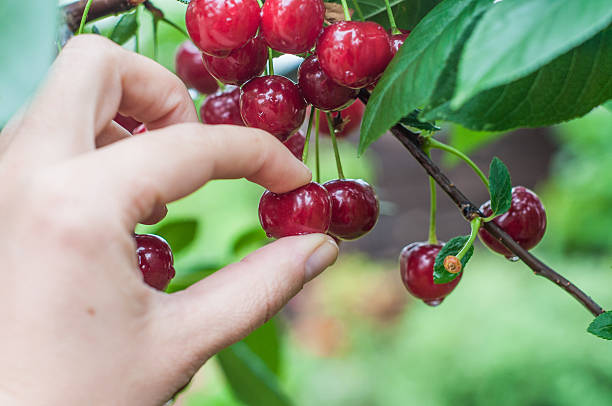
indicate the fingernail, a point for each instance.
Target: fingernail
{"x":321,"y":258}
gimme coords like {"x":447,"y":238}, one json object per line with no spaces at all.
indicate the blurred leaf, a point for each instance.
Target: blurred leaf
{"x":178,"y":233}
{"x":27,"y":34}
{"x":125,"y":28}
{"x":407,"y":13}
{"x":534,"y":33}
{"x":185,"y":277}
{"x":410,"y":79}
{"x":265,"y":342}
{"x":249,"y":240}
{"x":467,"y":141}
{"x":602,"y":326}
{"x":95,"y":30}
{"x":441,"y":275}
{"x":250,"y":379}
{"x":412,"y":120}
{"x":500,"y":187}
{"x":608,"y":105}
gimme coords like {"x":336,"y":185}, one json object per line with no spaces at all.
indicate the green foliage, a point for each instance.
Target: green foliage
{"x":412,"y":120}
{"x":501,"y":51}
{"x":266,"y":343}
{"x":125,"y":28}
{"x":452,"y":247}
{"x":179,"y":233}
{"x":407,"y":13}
{"x":602,"y":326}
{"x":500,"y":187}
{"x":27,"y":36}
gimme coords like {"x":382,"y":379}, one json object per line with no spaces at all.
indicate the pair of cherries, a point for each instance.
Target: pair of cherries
{"x":525,"y":222}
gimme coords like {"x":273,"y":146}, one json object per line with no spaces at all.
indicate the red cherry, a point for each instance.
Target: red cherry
{"x":354,"y":208}
{"x":292,"y":26}
{"x":241,"y":64}
{"x":319,"y":90}
{"x":305,"y":210}
{"x":525,"y":222}
{"x":351,"y":119}
{"x":126,"y":122}
{"x":416,"y":268}
{"x":189,"y":67}
{"x":274,"y":104}
{"x":397,"y":40}
{"x":222,"y":107}
{"x":354,"y":53}
{"x":295,"y":144}
{"x":155,"y":260}
{"x":139,"y":130}
{"x":219,"y":26}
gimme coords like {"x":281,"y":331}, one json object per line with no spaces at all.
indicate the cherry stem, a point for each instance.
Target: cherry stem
{"x":155,"y":39}
{"x":394,"y":29}
{"x":332,"y":133}
{"x":308,"y":131}
{"x":317,"y":164}
{"x":137,"y":33}
{"x":474,"y":227}
{"x":347,"y":13}
{"x":84,"y":17}
{"x":433,"y":143}
{"x":433,"y":238}
{"x":270,"y":62}
{"x":358,"y":9}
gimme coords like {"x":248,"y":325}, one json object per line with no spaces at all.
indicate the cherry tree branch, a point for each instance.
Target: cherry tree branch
{"x":413,"y":142}
{"x":99,"y":8}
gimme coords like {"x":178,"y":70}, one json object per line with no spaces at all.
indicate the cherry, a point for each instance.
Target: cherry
{"x":304,"y":210}
{"x":219,"y":26}
{"x":155,"y":260}
{"x":222,"y":107}
{"x":272,"y":103}
{"x":354,"y":208}
{"x":319,"y":90}
{"x":351,"y":119}
{"x":139,"y":130}
{"x":241,"y":64}
{"x":397,"y":40}
{"x":126,"y":122}
{"x":354,"y":53}
{"x":416,"y":268}
{"x":292,"y":26}
{"x":189,"y":67}
{"x":525,"y":222}
{"x":295,"y":144}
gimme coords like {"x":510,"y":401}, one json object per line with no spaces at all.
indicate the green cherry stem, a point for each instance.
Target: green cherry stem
{"x":433,"y":238}
{"x":84,"y":17}
{"x":317,"y":164}
{"x":155,"y":39}
{"x":175,"y":26}
{"x":394,"y":29}
{"x":358,"y":10}
{"x":332,"y":133}
{"x":474,"y":227}
{"x":308,"y":131}
{"x":347,"y":14}
{"x":433,"y":143}
{"x":270,"y":62}
{"x":137,"y":33}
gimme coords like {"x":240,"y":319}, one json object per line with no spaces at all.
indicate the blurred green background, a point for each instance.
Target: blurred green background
{"x":355,"y":337}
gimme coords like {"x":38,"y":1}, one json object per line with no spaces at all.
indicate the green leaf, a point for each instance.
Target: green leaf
{"x":534,"y":32}
{"x":266,"y":343}
{"x":568,"y":87}
{"x":178,"y":233}
{"x":410,"y":79}
{"x":250,"y":379}
{"x":412,"y":120}
{"x":602,"y":326}
{"x":125,"y":28}
{"x":500,"y":187}
{"x":608,"y":105}
{"x":27,"y":33}
{"x":407,"y":13}
{"x":441,"y":275}
{"x":95,"y":30}
{"x":185,"y":277}
{"x":249,"y":241}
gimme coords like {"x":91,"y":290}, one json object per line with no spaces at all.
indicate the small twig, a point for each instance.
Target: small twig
{"x":99,"y":8}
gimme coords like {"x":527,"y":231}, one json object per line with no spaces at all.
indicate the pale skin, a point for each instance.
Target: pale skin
{"x":79,"y":326}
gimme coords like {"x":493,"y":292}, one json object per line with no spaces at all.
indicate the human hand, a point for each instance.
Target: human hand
{"x":79,"y":326}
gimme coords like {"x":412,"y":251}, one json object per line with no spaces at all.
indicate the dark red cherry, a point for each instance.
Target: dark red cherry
{"x":319,"y":90}
{"x":126,"y":122}
{"x":274,"y":104}
{"x":222,"y":107}
{"x":139,"y":130}
{"x":189,"y":67}
{"x":354,"y":53}
{"x":292,"y":26}
{"x":351,"y":119}
{"x":525,"y":222}
{"x":354,"y":208}
{"x":155,"y":260}
{"x":295,"y":144}
{"x":220,"y":26}
{"x":416,"y":268}
{"x":241,"y":64}
{"x":305,"y":210}
{"x":397,"y":40}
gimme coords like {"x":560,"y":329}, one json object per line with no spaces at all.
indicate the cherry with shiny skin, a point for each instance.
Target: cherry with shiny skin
{"x":241,"y":64}
{"x":155,"y":260}
{"x":219,"y":26}
{"x":140,"y":129}
{"x":525,"y":222}
{"x":126,"y":122}
{"x":351,"y":119}
{"x":416,"y":268}
{"x":305,"y":210}
{"x":354,"y":208}
{"x":319,"y":90}
{"x":354,"y":53}
{"x":292,"y":26}
{"x":222,"y":107}
{"x":396,"y":41}
{"x":190,"y":68}
{"x":274,"y":104}
{"x":295,"y":144}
